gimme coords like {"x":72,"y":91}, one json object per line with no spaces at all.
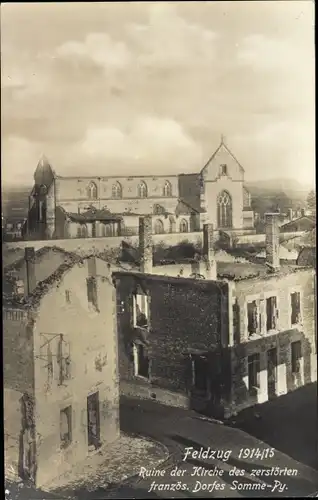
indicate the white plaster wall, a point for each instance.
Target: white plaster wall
{"x":90,"y":334}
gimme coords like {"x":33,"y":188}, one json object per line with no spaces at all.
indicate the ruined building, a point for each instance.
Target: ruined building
{"x":237,"y":336}
{"x":60,"y":362}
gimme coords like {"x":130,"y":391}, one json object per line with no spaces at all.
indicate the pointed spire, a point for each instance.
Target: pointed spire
{"x":222,"y":139}
{"x":43,"y":162}
{"x":41,"y":171}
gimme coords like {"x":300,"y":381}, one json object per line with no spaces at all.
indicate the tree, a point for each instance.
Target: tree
{"x":311,"y":201}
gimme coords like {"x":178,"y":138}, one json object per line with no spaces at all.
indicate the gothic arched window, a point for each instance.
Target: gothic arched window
{"x":92,"y":191}
{"x":167,"y":189}
{"x":183,"y":226}
{"x":159,"y":229}
{"x":158,"y":210}
{"x":224,"y":209}
{"x":142,"y":190}
{"x":117,"y":191}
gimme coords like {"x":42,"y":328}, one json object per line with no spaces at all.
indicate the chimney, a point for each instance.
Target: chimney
{"x":290,"y":214}
{"x":30,"y":281}
{"x":208,"y":252}
{"x":145,"y":244}
{"x":302,"y":212}
{"x":272,"y":240}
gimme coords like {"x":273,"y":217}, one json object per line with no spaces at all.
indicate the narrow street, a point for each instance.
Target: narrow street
{"x":297,"y":409}
{"x":179,"y":429}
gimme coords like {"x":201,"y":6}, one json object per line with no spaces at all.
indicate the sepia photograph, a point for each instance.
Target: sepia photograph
{"x":159,"y":250}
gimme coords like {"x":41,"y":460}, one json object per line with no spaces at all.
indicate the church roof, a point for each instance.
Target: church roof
{"x":43,"y":162}
{"x":224,"y":147}
{"x":43,"y":174}
{"x":184,"y":208}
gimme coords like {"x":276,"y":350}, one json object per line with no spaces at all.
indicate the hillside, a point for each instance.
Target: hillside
{"x":15,"y":201}
{"x":278,"y":193}
{"x":283,"y":184}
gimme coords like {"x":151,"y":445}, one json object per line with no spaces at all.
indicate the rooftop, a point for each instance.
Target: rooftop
{"x":309,"y":218}
{"x":93,"y":214}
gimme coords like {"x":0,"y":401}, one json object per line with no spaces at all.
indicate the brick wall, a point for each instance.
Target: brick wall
{"x":184,"y":315}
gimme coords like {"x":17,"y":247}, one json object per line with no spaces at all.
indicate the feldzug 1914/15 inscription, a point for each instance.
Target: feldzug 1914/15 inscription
{"x":159,"y":249}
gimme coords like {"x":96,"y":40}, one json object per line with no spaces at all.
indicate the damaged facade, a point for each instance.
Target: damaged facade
{"x":72,"y":207}
{"x":60,"y":362}
{"x":237,"y":336}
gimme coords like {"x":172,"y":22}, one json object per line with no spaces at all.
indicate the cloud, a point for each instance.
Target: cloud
{"x":140,"y":85}
{"x":22,"y":75}
{"x":265,"y":53}
{"x":284,"y":133}
{"x":277,"y":141}
{"x":150,"y":142}
{"x":165,"y":40}
{"x":169,"y":39}
{"x":100,"y":48}
{"x":20,"y":157}
{"x":282,"y":68}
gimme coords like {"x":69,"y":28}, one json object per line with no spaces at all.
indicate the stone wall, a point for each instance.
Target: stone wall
{"x":87,"y":245}
{"x":185,"y":316}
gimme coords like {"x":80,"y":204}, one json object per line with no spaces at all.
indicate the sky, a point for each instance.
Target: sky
{"x":150,"y":87}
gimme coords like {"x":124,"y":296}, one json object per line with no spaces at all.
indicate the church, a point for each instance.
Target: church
{"x":90,"y":207}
